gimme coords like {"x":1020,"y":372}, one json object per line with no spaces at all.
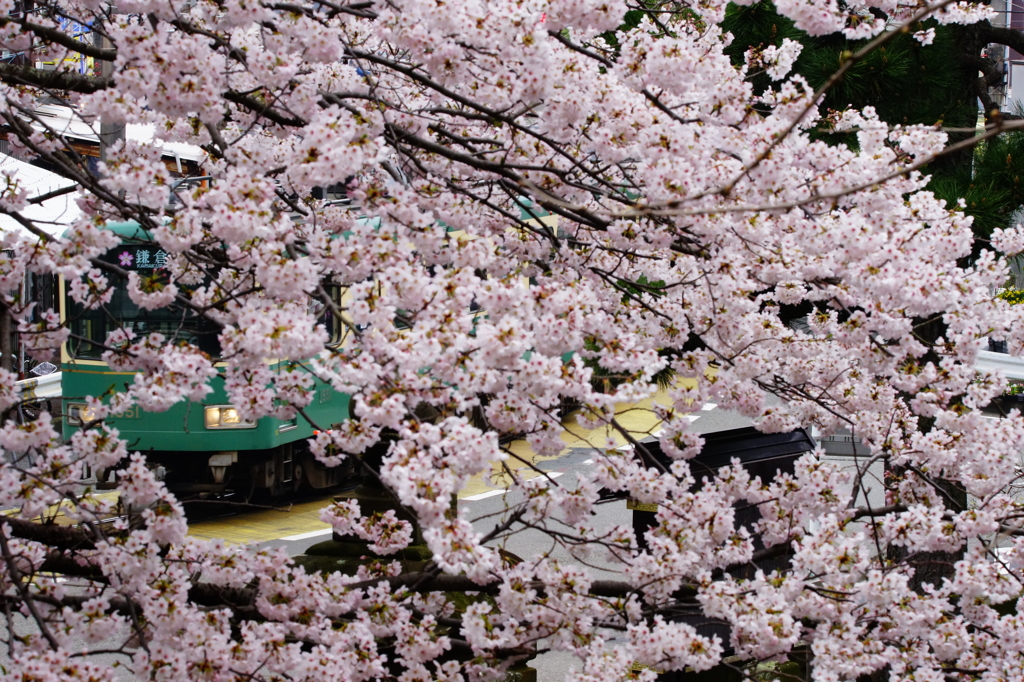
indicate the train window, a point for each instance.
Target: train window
{"x":334,"y":193}
{"x":90,"y":329}
{"x":326,"y":316}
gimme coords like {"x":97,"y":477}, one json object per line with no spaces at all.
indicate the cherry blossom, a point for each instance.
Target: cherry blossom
{"x":492,"y":222}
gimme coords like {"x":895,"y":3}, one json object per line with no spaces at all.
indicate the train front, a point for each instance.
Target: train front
{"x":200,"y":449}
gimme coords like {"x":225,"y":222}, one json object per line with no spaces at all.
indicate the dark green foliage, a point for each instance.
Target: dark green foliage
{"x":630,"y":21}
{"x":606,"y":381}
{"x":906,"y":83}
{"x":640,"y":287}
{"x":993,"y":191}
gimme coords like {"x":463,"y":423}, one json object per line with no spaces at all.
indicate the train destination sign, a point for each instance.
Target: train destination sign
{"x":140,"y":258}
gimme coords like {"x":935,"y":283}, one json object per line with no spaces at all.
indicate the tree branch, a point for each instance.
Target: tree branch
{"x":53,"y":80}
{"x":55,"y":35}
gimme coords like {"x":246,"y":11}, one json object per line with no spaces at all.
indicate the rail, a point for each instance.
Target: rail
{"x":40,"y":388}
{"x":1011,"y":367}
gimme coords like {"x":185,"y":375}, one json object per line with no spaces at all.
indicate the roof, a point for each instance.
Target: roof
{"x":34,"y":179}
{"x":758,"y":452}
{"x":53,"y":215}
{"x":1011,"y":367}
{"x":69,"y":123}
{"x":750,"y":445}
{"x":129,"y":231}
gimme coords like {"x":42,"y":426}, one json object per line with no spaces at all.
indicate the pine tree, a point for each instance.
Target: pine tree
{"x":910,"y":83}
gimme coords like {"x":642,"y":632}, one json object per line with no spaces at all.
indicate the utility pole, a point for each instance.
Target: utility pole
{"x":109,"y":132}
{"x":6,"y":340}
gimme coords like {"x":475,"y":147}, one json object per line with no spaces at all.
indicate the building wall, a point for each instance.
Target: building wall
{"x":1011,"y":14}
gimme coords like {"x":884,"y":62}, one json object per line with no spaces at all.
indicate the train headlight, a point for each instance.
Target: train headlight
{"x":80,"y":413}
{"x":226,"y":417}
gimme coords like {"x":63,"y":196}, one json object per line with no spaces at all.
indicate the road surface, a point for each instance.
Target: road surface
{"x":483,"y":500}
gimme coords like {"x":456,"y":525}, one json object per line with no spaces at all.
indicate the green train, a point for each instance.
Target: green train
{"x":202,"y":449}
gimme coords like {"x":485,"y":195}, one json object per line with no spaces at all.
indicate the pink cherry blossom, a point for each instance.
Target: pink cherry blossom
{"x":492,"y":229}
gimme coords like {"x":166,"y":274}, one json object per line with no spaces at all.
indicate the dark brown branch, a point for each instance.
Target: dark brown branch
{"x":68,"y":538}
{"x":53,"y":195}
{"x":52,"y":80}
{"x":261,"y":108}
{"x":1000,"y":35}
{"x":67,"y":565}
{"x":458,"y":583}
{"x":26,"y":597}
{"x":55,"y":35}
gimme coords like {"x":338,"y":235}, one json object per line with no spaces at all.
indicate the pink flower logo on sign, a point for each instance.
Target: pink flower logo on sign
{"x":126,"y":259}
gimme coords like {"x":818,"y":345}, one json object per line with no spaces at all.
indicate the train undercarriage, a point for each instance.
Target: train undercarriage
{"x":249,"y":474}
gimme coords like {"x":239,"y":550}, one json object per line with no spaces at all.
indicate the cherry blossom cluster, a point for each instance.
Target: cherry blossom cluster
{"x":539,"y":223}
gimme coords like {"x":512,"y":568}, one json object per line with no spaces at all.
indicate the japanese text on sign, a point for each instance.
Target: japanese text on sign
{"x":142,"y":259}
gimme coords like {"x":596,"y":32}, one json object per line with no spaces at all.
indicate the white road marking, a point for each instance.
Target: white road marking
{"x":692,"y":417}
{"x":502,"y":491}
{"x":483,"y":496}
{"x":587,"y":461}
{"x":306,"y":536}
{"x":709,"y":406}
